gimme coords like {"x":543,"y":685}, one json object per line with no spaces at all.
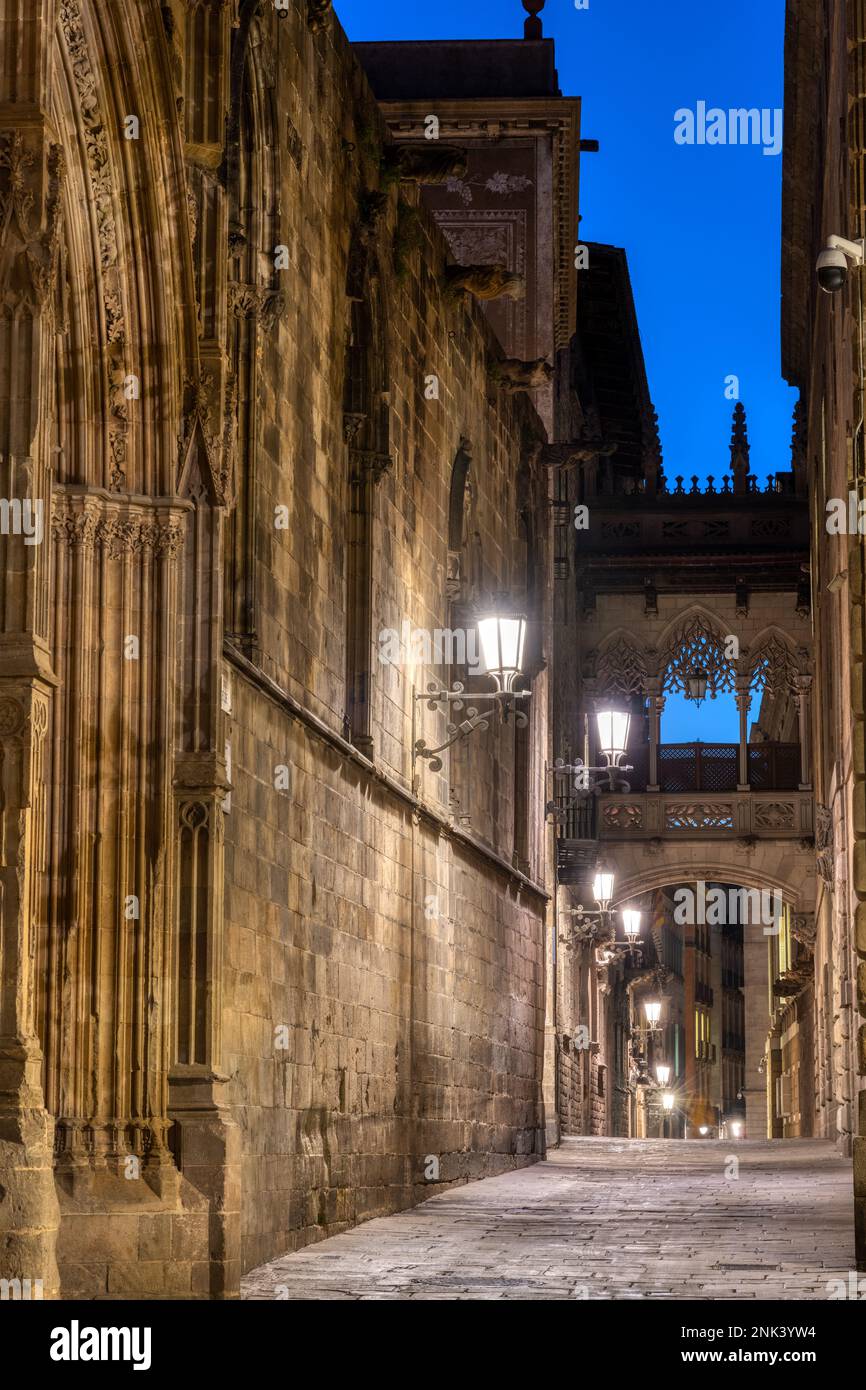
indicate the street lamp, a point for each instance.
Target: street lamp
{"x":592,"y":924}
{"x":696,"y":686}
{"x":613,"y":727}
{"x":602,"y":889}
{"x":501,"y":639}
{"x":736,"y":1129}
{"x":667,"y":1100}
{"x":631,"y":924}
{"x":663,"y":1074}
{"x":653,"y":1010}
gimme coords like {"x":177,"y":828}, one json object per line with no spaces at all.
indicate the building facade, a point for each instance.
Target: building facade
{"x":271,"y":965}
{"x":822,"y":354}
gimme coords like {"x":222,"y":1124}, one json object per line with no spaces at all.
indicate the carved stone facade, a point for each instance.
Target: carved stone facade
{"x":257,"y":960}
{"x":823,"y":195}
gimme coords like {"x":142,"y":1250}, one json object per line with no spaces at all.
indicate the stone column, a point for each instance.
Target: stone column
{"x":744,"y":702}
{"x":656,"y":702}
{"x":30,"y":176}
{"x":757,"y":1020}
{"x":803,"y":697}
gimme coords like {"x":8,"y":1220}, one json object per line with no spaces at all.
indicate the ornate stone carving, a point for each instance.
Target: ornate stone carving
{"x":622,"y":816}
{"x":256,"y":301}
{"x":119,"y":533}
{"x":366,"y":463}
{"x":12,"y":717}
{"x":824,"y":844}
{"x":804,"y":929}
{"x":23,"y":245}
{"x":774,"y":665}
{"x":621,"y":667}
{"x":775,"y":815}
{"x":700,"y":815}
{"x":697,"y":645}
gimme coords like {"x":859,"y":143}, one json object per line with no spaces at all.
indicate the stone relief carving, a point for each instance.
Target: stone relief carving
{"x":697,"y":815}
{"x":622,"y":667}
{"x":102,"y":190}
{"x":119,"y":533}
{"x":775,"y":815}
{"x":774,"y":664}
{"x":824,"y":844}
{"x":256,"y":301}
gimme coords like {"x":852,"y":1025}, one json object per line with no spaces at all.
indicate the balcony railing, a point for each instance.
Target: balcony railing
{"x":715,"y":767}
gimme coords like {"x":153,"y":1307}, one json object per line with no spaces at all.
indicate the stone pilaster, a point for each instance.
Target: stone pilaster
{"x":30,"y":178}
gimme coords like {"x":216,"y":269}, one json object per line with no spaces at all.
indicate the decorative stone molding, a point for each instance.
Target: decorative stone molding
{"x":81,"y":520}
{"x":749,"y":817}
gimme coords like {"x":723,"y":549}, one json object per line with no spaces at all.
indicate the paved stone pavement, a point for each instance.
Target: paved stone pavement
{"x":602,"y":1219}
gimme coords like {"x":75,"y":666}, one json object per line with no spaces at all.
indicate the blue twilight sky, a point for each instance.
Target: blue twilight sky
{"x":701,"y":224}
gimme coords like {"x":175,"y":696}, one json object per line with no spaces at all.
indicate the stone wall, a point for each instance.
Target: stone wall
{"x":264,"y":973}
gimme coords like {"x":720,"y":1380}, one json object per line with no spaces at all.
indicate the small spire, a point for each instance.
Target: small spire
{"x":740,"y":449}
{"x":532,"y":26}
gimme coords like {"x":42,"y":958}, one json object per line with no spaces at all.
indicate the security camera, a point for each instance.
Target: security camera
{"x":833,"y":261}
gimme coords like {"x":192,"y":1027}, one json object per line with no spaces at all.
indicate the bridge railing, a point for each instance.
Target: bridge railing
{"x":769,"y":815}
{"x":715,"y":767}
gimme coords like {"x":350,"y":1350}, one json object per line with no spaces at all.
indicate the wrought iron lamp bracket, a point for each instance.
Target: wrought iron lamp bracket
{"x":502,"y":702}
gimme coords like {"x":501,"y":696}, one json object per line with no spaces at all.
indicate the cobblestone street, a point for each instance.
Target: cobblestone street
{"x":602,"y":1219}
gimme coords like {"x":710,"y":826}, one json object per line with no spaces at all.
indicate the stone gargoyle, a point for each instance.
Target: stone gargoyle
{"x":424,"y":163}
{"x":572,"y":452}
{"x":484,"y":281}
{"x":511,"y":374}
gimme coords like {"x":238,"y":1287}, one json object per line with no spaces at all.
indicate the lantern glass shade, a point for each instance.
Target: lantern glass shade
{"x":668,"y":1100}
{"x":631,"y":923}
{"x":703,"y":1131}
{"x":663,"y":1074}
{"x":602,"y":889}
{"x":501,"y":640}
{"x":696,"y":686}
{"x":653,"y":1011}
{"x":736,"y":1129}
{"x":613,"y":727}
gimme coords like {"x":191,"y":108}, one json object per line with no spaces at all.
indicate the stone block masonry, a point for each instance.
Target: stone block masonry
{"x":265,"y":974}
